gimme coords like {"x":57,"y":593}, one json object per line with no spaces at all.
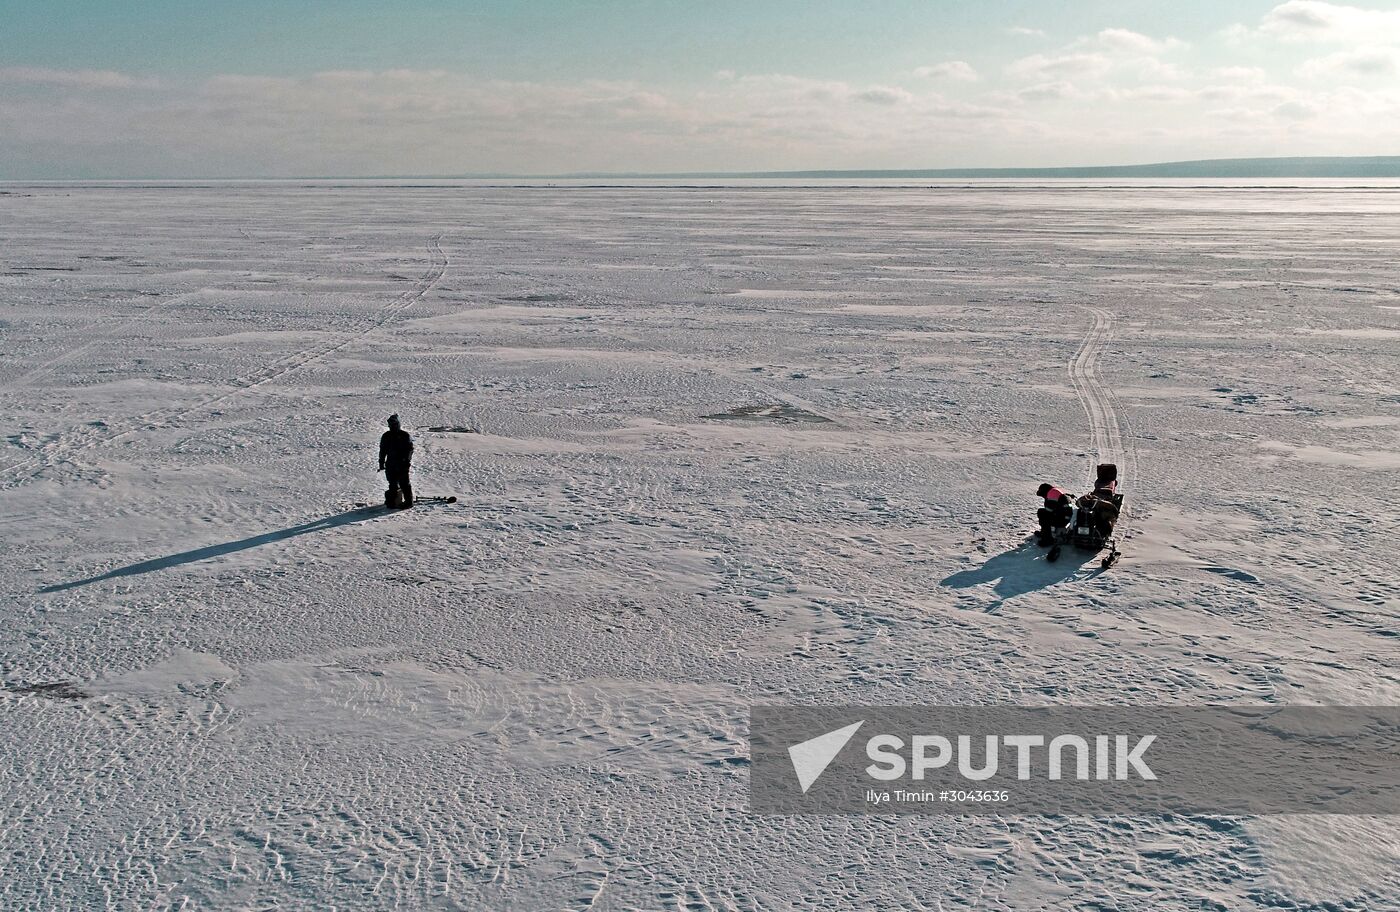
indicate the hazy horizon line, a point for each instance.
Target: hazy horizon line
{"x":1297,"y":166}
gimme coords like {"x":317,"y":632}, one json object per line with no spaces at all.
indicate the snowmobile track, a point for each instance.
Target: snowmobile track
{"x":74,"y":442}
{"x":1110,"y":438}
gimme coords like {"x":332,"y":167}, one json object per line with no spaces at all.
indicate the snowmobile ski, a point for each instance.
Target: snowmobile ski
{"x":362,"y":505}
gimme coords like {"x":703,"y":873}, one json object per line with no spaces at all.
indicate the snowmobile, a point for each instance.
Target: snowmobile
{"x":1095,"y":515}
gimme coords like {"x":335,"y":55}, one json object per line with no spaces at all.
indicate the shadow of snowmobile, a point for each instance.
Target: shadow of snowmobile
{"x":1017,"y":571}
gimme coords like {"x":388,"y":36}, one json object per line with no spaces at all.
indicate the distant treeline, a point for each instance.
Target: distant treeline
{"x":1340,"y":167}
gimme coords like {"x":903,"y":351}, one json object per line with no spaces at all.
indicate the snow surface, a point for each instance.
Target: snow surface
{"x":713,"y":446}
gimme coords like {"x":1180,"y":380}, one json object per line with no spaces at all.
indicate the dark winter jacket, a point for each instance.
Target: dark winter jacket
{"x":395,"y":448}
{"x":1059,"y":504}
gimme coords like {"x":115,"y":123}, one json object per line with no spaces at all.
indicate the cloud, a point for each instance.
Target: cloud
{"x":1110,"y":51}
{"x":1047,"y":91}
{"x":963,"y":111}
{"x":1151,"y":68}
{"x":1123,"y":40}
{"x":1294,"y":110}
{"x":1260,"y":96}
{"x":1046,"y":65}
{"x":1094,"y":100}
{"x":441,"y":122}
{"x":1300,"y":14}
{"x":1026,"y":32}
{"x":1314,"y":20}
{"x":84,"y":79}
{"x":956,"y":70}
{"x":883,"y":95}
{"x":1240,"y":74}
{"x":1160,"y":93}
{"x":1365,"y":62}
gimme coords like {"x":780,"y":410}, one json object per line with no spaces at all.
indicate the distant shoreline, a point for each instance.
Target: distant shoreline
{"x":1386,"y":166}
{"x":732,"y":184}
{"x":1335,"y":167}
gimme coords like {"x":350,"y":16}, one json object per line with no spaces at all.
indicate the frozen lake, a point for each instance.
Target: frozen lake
{"x":713,"y":446}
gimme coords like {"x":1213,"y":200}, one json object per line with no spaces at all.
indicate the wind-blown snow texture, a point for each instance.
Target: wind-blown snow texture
{"x":714,"y":446}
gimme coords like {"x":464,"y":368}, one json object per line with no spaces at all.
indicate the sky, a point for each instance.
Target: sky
{"x":267,"y":88}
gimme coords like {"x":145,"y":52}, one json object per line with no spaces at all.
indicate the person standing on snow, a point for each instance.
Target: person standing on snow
{"x":395,"y":459}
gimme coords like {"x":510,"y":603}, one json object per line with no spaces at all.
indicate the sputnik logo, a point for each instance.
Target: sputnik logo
{"x":811,"y":758}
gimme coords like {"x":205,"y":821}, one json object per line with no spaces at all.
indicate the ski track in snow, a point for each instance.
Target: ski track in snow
{"x":70,"y":443}
{"x":222,"y":689}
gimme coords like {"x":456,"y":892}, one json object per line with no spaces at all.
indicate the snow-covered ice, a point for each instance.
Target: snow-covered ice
{"x":713,"y":446}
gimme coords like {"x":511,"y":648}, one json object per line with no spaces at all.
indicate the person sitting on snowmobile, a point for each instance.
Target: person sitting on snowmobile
{"x":395,"y":458}
{"x":1055,"y":514}
{"x":1098,"y":506}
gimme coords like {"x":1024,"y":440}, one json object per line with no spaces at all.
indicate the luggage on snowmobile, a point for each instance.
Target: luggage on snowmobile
{"x":1092,"y":529}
